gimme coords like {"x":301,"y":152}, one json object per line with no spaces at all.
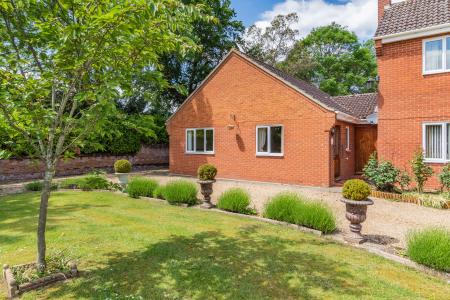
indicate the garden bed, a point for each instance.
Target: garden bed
{"x":419,"y":199}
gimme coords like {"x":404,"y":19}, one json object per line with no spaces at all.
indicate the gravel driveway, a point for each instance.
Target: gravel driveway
{"x":387,"y":222}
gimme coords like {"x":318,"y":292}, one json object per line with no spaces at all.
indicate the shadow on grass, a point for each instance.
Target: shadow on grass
{"x":210,"y":265}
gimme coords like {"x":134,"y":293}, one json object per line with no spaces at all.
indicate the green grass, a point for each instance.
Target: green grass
{"x":180,"y":191}
{"x":141,"y":187}
{"x":87,"y":183}
{"x":133,"y":249}
{"x":235,"y":200}
{"x":430,"y":247}
{"x":292,"y":208}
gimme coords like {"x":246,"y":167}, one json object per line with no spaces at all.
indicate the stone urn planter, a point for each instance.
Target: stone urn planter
{"x":206,"y":188}
{"x":356,"y":193}
{"x":206,"y":178}
{"x":123,"y":178}
{"x":122,"y":168}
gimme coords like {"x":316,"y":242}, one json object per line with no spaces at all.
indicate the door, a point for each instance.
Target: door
{"x":365,"y":145}
{"x":336,"y":146}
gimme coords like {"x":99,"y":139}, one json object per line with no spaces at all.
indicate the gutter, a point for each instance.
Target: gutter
{"x":340,"y":116}
{"x":417,"y":33}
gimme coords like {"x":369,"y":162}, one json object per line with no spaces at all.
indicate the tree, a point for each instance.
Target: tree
{"x":63,"y":63}
{"x":332,"y":58}
{"x":185,"y":73}
{"x":273,"y":43}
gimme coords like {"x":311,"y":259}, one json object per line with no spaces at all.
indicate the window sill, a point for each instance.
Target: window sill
{"x":425,"y":73}
{"x":434,"y":161}
{"x":200,"y":153}
{"x":269,"y":154}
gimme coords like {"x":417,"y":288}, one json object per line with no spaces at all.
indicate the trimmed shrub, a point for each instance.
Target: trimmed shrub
{"x":159,"y":192}
{"x":235,"y":200}
{"x":122,"y":166}
{"x":444,"y":177}
{"x":430,"y":247}
{"x":207,"y":172}
{"x":421,"y":170}
{"x":180,"y":191}
{"x":141,"y":187}
{"x":356,"y":189}
{"x":291,"y":208}
{"x":37,"y":186}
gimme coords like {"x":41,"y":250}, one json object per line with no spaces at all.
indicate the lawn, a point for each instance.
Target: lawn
{"x":137,"y":249}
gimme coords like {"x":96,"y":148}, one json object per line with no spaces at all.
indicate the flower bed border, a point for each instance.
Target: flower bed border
{"x":401,"y":198}
{"x":14,"y":289}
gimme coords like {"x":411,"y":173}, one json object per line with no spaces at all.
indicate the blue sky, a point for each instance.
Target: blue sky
{"x":359,"y":16}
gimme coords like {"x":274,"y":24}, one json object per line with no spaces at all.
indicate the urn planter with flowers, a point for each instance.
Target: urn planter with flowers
{"x":206,"y":178}
{"x":122,"y":168}
{"x":356,"y":193}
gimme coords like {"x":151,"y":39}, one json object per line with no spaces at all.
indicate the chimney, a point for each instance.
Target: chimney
{"x":381,"y":5}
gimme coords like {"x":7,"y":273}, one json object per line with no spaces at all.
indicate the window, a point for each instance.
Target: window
{"x":436,"y":55}
{"x":269,"y":140}
{"x":200,"y":141}
{"x":436,"y":142}
{"x":347,"y":138}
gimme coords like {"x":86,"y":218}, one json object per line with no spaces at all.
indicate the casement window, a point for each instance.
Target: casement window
{"x":436,"y":55}
{"x":347,"y":138}
{"x":436,"y":142}
{"x":269,"y":140}
{"x":200,"y":140}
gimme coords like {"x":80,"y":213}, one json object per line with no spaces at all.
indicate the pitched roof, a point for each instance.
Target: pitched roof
{"x":413,"y":15}
{"x":360,"y":105}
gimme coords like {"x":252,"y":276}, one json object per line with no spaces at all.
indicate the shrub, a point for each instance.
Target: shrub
{"x":180,"y":191}
{"x":207,"y":172}
{"x":404,"y":180}
{"x":141,"y":187}
{"x":444,"y":177}
{"x":356,"y":189}
{"x":421,"y":170}
{"x":430,"y":247}
{"x":384,"y":175}
{"x":235,"y":200}
{"x":122,"y":166}
{"x":159,"y":192}
{"x":291,"y":208}
{"x":86,"y":183}
{"x":37,"y":186}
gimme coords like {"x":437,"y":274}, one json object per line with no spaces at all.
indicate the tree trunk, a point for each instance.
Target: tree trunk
{"x":45,"y":195}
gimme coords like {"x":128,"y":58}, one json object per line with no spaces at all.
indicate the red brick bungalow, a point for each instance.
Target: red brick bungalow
{"x":256,"y":123}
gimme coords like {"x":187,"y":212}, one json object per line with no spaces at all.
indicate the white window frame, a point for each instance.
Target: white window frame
{"x":444,"y":159}
{"x":444,"y":58}
{"x":347,"y":139}
{"x":195,"y":141}
{"x":269,"y":146}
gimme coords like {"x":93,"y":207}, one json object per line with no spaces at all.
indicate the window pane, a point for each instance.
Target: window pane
{"x":200,"y":140}
{"x":448,"y":53}
{"x":275,"y":139}
{"x":209,"y":140}
{"x":190,"y":140}
{"x":433,"y":55}
{"x":262,"y":139}
{"x":433,"y":139}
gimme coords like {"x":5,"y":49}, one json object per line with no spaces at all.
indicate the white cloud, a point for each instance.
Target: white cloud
{"x":359,"y":16}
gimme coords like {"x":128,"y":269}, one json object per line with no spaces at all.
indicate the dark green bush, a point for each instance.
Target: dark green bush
{"x":122,"y":166}
{"x":207,"y":172}
{"x":159,"y":192}
{"x":430,"y":247}
{"x":36,"y":186}
{"x":86,"y":183}
{"x":127,"y":143}
{"x":180,"y":191}
{"x":384,"y":175}
{"x":291,"y":208}
{"x":421,"y":171}
{"x":141,"y":187}
{"x":356,"y":189}
{"x":235,"y":200}
{"x":444,"y":177}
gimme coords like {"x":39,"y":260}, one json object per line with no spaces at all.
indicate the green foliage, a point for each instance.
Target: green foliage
{"x":291,"y":208}
{"x":332,"y":58}
{"x":141,"y":187}
{"x":444,"y":177}
{"x":384,"y":175}
{"x":207,"y":172}
{"x":36,"y":186}
{"x":180,"y":191}
{"x":159,"y":192}
{"x":430,"y":247}
{"x":356,"y":189}
{"x":235,"y":200}
{"x":122,"y":166}
{"x":87,"y":183}
{"x":404,"y":180}
{"x":422,"y":172}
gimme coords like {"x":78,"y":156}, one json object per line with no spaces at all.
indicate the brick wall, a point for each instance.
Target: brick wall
{"x":255,"y":98}
{"x":22,"y":169}
{"x":407,"y":98}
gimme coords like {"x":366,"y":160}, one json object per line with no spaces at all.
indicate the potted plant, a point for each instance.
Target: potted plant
{"x":355,"y":194}
{"x":206,"y":175}
{"x":122,"y":167}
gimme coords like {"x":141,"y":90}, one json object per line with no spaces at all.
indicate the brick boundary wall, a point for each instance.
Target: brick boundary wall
{"x":25,"y":169}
